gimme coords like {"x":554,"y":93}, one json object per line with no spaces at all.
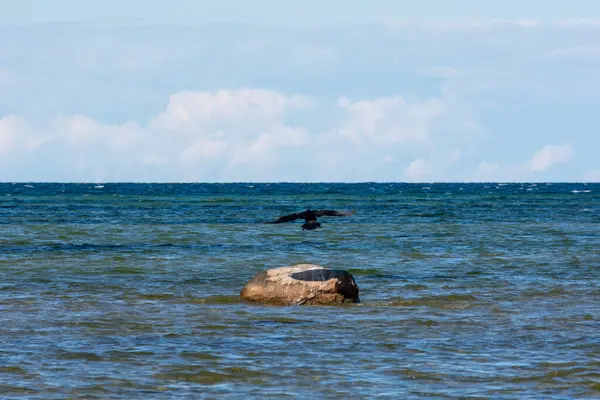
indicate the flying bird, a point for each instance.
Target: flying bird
{"x":310,"y":218}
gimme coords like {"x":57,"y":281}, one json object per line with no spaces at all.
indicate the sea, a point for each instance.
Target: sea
{"x":467,"y":291}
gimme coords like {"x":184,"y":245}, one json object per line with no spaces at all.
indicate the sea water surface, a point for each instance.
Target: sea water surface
{"x":123,"y":291}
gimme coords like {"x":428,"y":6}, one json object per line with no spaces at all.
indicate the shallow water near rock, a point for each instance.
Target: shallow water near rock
{"x":132,"y":291}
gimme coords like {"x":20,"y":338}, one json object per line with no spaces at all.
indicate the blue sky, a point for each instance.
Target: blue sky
{"x":312,"y":91}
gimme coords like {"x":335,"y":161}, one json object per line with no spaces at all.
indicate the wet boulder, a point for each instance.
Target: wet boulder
{"x":302,"y":284}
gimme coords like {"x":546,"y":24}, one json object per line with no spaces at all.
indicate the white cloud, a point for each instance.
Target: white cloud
{"x":14,"y":136}
{"x":78,"y":131}
{"x":230,"y":127}
{"x":188,"y":111}
{"x":578,"y":23}
{"x":464,"y":24}
{"x":490,"y":24}
{"x":551,"y":155}
{"x":202,"y":149}
{"x":486,"y":170}
{"x":541,"y":161}
{"x":255,"y":134}
{"x":390,"y":120}
{"x":591,"y":50}
{"x":228,"y":130}
{"x":418,"y":170}
{"x":248,"y":134}
{"x":7,"y":132}
{"x":264,"y":150}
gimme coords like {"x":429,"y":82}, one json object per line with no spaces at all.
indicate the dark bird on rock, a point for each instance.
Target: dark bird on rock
{"x":310,"y":218}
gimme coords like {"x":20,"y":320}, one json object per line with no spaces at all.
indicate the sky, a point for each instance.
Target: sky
{"x":311,"y":91}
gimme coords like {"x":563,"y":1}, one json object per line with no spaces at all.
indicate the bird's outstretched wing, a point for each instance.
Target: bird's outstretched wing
{"x":333,"y":213}
{"x":287,"y":218}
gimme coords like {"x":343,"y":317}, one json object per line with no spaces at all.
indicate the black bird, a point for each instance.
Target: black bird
{"x":310,"y":217}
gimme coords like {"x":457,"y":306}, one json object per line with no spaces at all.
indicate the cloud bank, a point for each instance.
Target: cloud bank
{"x":253,"y":135}
{"x":551,"y":155}
{"x":240,"y":134}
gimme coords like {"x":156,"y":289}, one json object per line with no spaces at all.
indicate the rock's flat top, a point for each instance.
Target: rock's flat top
{"x":302,"y":284}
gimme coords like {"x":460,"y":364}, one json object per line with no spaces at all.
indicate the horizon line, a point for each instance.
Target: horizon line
{"x":296,"y":182}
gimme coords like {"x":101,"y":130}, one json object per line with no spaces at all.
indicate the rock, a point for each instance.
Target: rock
{"x":302,"y":284}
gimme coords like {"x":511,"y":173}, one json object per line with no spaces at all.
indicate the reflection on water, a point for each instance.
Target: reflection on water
{"x":131,"y":291}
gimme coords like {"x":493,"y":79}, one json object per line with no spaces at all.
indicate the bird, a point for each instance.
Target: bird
{"x":310,"y":218}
